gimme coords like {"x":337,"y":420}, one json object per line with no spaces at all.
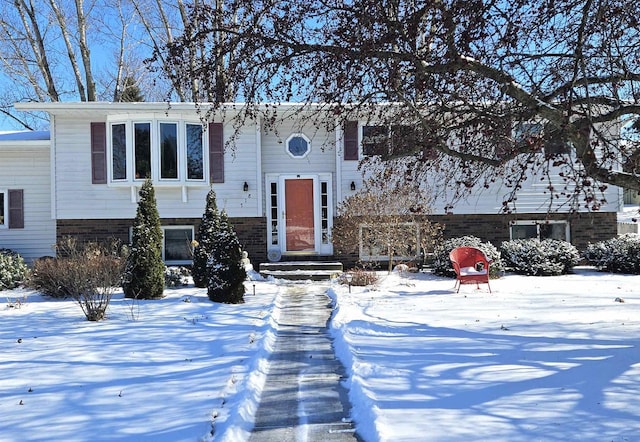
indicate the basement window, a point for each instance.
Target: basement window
{"x":540,"y":230}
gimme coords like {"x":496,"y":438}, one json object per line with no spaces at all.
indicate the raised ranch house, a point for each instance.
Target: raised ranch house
{"x":280,"y":187}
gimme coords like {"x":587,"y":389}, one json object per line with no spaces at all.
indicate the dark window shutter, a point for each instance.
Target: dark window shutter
{"x":216,"y":153}
{"x":16,"y":209}
{"x":351,"y":140}
{"x":98,"y":153}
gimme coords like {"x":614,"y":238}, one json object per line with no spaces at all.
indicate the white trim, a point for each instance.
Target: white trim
{"x":279,"y":180}
{"x":52,"y":165}
{"x":182,"y":180}
{"x":259,"y":181}
{"x":297,"y":135}
{"x":175,"y":262}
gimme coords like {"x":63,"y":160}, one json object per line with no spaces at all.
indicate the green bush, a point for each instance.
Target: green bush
{"x":176,"y":276}
{"x":441,"y":264}
{"x":144,"y":272}
{"x":205,"y":243}
{"x":225,"y":271}
{"x":618,"y":255}
{"x":540,"y":258}
{"x":13,"y":270}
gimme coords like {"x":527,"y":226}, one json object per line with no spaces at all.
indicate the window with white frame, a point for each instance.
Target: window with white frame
{"x":177,"y":247}
{"x":540,"y":230}
{"x":177,"y":244}
{"x":4,"y":209}
{"x":298,"y":145}
{"x":165,"y":151}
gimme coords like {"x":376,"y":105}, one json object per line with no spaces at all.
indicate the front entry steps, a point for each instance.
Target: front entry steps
{"x":301,"y":270}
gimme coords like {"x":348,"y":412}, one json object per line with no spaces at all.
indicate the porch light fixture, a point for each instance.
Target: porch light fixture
{"x":353,"y":185}
{"x":245,"y":187}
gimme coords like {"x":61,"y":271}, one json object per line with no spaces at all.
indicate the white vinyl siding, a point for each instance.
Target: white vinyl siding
{"x":26,"y":167}
{"x":77,"y":198}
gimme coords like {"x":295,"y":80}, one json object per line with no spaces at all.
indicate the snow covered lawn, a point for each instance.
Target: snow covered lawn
{"x":153,"y":371}
{"x":542,"y":358}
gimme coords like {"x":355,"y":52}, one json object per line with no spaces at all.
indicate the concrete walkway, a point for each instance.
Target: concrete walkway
{"x":303,"y":397}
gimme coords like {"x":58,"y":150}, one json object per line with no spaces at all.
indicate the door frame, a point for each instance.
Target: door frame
{"x":276,"y":216}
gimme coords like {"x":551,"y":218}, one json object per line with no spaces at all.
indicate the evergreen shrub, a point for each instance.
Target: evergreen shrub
{"x":205,"y":243}
{"x":144,"y":272}
{"x":441,"y":264}
{"x":13,"y":270}
{"x":225,"y":271}
{"x":620,"y":254}
{"x":539,"y":258}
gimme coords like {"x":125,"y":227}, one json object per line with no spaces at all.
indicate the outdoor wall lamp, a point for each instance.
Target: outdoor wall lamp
{"x":245,"y":187}
{"x":353,"y":185}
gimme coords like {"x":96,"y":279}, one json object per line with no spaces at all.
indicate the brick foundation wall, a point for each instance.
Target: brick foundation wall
{"x":252,"y":232}
{"x":584,"y":228}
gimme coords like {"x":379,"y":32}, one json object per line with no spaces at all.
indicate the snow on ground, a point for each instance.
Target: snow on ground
{"x":541,"y":358}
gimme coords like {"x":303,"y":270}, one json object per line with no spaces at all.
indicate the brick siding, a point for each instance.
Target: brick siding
{"x":252,"y":232}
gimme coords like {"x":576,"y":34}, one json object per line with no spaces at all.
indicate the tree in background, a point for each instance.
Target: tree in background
{"x":225,"y":272}
{"x":61,"y":50}
{"x":386,"y":221}
{"x":144,"y":271}
{"x":209,"y":225}
{"x":130,"y":91}
{"x":492,"y":91}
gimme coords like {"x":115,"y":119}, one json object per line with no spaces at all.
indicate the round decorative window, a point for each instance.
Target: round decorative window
{"x":298,"y":146}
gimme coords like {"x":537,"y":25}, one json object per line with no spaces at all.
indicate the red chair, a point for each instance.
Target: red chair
{"x":471,"y":266}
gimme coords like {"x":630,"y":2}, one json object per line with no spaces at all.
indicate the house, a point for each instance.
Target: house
{"x":280,"y":187}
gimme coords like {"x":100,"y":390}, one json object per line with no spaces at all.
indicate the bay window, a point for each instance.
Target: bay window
{"x":168,"y":152}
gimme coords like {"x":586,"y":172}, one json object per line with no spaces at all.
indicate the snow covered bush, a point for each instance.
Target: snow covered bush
{"x":13,"y":270}
{"x":620,"y":254}
{"x":144,"y":273}
{"x":442,"y":264}
{"x":176,"y":276}
{"x":540,"y":258}
{"x":225,"y":271}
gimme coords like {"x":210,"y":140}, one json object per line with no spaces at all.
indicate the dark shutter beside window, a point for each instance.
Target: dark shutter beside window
{"x":216,"y":153}
{"x":16,"y":208}
{"x":351,"y":140}
{"x":98,"y":153}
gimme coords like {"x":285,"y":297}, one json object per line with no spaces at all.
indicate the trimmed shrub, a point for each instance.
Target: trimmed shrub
{"x":144,"y":273}
{"x":225,"y":271}
{"x":441,"y":264}
{"x":539,"y":258}
{"x":205,"y":243}
{"x":618,"y":255}
{"x":13,"y":270}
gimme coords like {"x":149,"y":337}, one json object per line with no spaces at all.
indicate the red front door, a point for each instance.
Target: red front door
{"x":300,"y":229}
